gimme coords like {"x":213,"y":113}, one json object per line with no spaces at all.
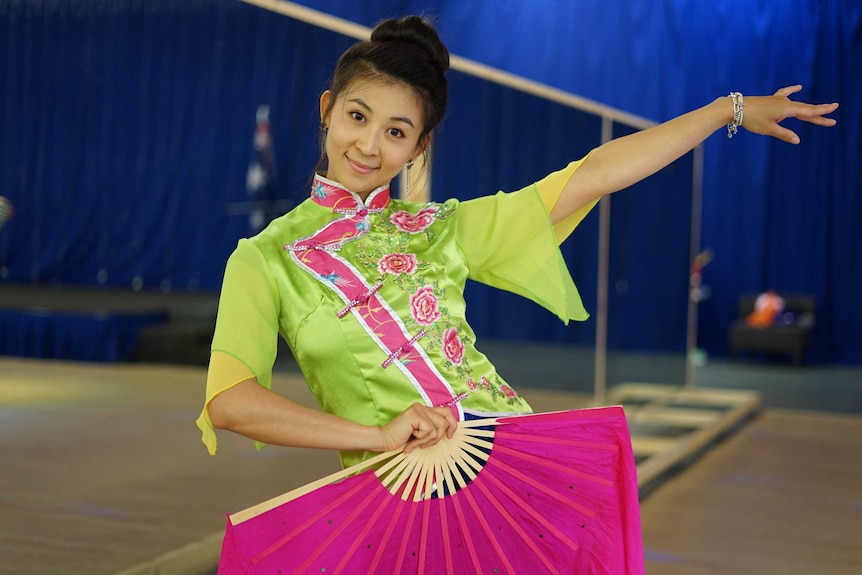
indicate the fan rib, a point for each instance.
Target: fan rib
{"x":517,"y":528}
{"x":263,"y":507}
{"x":469,"y":466}
{"x":403,"y":469}
{"x":528,"y":508}
{"x":566,"y":442}
{"x":551,"y":465}
{"x":423,"y":537}
{"x":360,"y":486}
{"x":439,"y":462}
{"x":473,"y":432}
{"x":479,"y":442}
{"x":459,"y":514}
{"x":447,"y":551}
{"x":412,"y":477}
{"x":405,"y":538}
{"x":395,"y":461}
{"x":402,"y":473}
{"x":457,"y":471}
{"x":423,"y":478}
{"x":359,"y":538}
{"x":344,"y":524}
{"x":480,"y":454}
{"x":544,"y":489}
{"x":479,"y":516}
{"x":450,"y":469}
{"x":484,"y":422}
{"x":378,"y":555}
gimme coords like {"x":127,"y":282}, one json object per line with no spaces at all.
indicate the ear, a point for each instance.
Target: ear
{"x":325,"y":100}
{"x":423,"y":145}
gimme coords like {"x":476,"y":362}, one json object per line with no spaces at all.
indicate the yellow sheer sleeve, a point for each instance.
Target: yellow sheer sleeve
{"x":223,"y":373}
{"x":246,"y":335}
{"x":509,"y":243}
{"x":550,"y":187}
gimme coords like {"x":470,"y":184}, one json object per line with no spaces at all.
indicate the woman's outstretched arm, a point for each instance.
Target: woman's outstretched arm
{"x":625,"y":161}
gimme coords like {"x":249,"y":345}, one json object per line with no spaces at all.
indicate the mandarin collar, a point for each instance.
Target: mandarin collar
{"x":333,"y":195}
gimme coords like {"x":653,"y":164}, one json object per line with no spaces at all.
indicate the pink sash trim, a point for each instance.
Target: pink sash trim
{"x":317,"y":254}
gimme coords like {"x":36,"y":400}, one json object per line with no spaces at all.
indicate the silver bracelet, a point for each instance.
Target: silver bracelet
{"x":737,"y":114}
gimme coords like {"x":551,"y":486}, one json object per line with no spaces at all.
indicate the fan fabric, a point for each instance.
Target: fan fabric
{"x":557,"y":494}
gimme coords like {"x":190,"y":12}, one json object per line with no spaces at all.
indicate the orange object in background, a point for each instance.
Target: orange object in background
{"x":767,"y":307}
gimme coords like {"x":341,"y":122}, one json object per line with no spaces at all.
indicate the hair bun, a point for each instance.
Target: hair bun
{"x":414,"y":30}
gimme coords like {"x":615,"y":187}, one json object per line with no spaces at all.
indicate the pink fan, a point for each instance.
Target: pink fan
{"x":538,"y":493}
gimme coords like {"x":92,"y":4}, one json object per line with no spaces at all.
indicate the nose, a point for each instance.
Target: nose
{"x":368,"y":143}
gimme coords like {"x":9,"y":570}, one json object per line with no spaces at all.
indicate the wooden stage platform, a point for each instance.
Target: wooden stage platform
{"x":103,"y":472}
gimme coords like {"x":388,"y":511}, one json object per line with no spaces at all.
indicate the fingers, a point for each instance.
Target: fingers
{"x":451,"y":422}
{"x":819,"y":120}
{"x":788,"y":90}
{"x":784,"y":134}
{"x":430,"y":425}
{"x":764,"y":115}
{"x":814,"y":114}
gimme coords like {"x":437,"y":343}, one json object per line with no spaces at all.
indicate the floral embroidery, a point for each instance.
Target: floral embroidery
{"x":393,"y":252}
{"x":498,"y":390}
{"x":407,"y":222}
{"x":423,"y":306}
{"x":396,"y":264}
{"x":318,"y":190}
{"x":453,"y":347}
{"x":336,"y":279}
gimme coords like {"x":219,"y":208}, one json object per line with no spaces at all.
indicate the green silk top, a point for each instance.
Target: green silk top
{"x":370,"y":298}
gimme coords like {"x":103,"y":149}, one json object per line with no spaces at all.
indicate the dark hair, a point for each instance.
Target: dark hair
{"x":406,"y":50}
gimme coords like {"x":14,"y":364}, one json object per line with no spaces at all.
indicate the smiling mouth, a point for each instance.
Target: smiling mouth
{"x":361,"y":168}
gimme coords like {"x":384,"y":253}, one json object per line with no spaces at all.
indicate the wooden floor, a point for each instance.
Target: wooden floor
{"x":783,"y":496}
{"x":102,"y":470}
{"x":103,"y":467}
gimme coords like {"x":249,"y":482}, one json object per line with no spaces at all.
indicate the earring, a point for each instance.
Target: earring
{"x":321,"y":138}
{"x":407,"y":178}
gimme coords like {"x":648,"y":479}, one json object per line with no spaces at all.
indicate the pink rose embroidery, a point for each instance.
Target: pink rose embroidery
{"x":483,"y":381}
{"x":453,"y":347}
{"x":396,"y":264}
{"x":423,"y":306}
{"x":407,"y":222}
{"x":508,"y":391}
{"x":471,"y":385}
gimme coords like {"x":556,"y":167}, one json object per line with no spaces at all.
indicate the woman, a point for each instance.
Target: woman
{"x":368,"y":290}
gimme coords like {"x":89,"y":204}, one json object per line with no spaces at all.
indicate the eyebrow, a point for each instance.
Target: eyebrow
{"x":359,"y":101}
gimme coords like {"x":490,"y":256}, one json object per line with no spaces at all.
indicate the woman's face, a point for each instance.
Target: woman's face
{"x":374,"y":130}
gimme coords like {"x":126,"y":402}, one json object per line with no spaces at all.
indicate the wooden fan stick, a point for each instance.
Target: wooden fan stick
{"x":403,"y":473}
{"x":470,"y":423}
{"x":392,"y":470}
{"x":439,"y":471}
{"x":396,"y":467}
{"x":269,"y":504}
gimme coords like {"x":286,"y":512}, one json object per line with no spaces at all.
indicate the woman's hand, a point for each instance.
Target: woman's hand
{"x":763,"y":114}
{"x":418,"y":426}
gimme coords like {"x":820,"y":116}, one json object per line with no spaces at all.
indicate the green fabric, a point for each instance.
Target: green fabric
{"x":505,"y":240}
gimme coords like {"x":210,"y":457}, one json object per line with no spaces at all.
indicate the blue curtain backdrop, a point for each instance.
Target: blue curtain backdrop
{"x":127,"y":131}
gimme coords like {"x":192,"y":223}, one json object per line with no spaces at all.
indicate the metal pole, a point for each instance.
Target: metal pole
{"x":696,"y":209}
{"x":602,"y":284}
